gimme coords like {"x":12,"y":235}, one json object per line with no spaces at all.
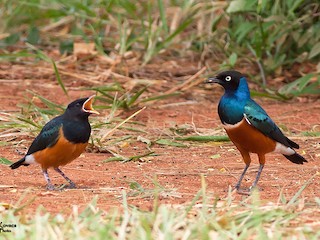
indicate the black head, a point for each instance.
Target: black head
{"x":228,"y":79}
{"x":81,"y":108}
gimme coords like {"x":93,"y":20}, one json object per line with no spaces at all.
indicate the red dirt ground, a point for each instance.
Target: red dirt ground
{"x":176,"y":170}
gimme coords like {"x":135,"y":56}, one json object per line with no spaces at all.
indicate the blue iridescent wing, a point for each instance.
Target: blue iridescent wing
{"x":258,"y":118}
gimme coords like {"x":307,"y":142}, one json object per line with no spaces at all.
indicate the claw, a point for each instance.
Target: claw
{"x":71,"y":186}
{"x":244,"y":191}
{"x":50,"y":187}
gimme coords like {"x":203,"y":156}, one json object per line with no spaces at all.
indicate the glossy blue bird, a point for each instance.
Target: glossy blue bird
{"x":248,"y":125}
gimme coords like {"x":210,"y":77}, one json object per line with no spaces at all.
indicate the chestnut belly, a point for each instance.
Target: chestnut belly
{"x":62,"y":153}
{"x":248,"y":138}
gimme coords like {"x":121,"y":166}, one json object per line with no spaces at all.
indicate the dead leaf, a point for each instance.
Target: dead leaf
{"x":84,"y":49}
{"x":144,"y":140}
{"x":215,"y":156}
{"x":4,"y":206}
{"x":6,"y":186}
{"x":47,"y":193}
{"x":124,"y":145}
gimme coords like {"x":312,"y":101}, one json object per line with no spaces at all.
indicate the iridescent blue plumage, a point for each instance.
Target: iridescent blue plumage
{"x":232,"y":104}
{"x":260,"y":120}
{"x":237,"y":104}
{"x":248,"y":125}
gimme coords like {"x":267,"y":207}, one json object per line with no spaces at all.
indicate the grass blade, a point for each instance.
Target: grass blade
{"x":47,"y":102}
{"x":297,"y":195}
{"x":5,"y":161}
{"x":198,"y":138}
{"x":136,"y":96}
{"x":60,"y":82}
{"x":170,"y":143}
{"x":163,"y":16}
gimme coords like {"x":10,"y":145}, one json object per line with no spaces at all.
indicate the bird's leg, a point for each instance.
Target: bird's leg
{"x":258,"y":176}
{"x":46,"y":177}
{"x":262,"y":161}
{"x":247,"y":159}
{"x":241,"y":177}
{"x":72,"y":184}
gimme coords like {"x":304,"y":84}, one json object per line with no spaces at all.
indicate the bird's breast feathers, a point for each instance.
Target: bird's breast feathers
{"x":230,"y":112}
{"x":247,"y":137}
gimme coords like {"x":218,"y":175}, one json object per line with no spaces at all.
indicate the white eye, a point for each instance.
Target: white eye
{"x":228,"y":78}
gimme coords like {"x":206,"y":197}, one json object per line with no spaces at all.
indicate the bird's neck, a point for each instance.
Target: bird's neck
{"x":76,"y":128}
{"x":242,"y":93}
{"x":79,"y":117}
{"x":232,"y":103}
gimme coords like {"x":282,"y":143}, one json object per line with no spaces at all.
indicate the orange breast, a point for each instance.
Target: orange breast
{"x":62,"y":153}
{"x":248,"y":138}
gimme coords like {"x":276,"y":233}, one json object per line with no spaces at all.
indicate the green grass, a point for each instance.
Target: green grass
{"x":275,"y":37}
{"x":204,"y":217}
{"x":270,"y":30}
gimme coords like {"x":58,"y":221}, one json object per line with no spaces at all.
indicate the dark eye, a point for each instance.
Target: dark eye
{"x":78,"y":104}
{"x":228,"y":78}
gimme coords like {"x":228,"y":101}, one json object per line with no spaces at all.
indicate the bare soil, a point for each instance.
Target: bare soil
{"x":176,"y":170}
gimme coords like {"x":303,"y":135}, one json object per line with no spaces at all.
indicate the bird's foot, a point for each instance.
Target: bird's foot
{"x":247,"y":191}
{"x":237,"y":187}
{"x":243,"y":191}
{"x":50,"y":187}
{"x":72,"y":185}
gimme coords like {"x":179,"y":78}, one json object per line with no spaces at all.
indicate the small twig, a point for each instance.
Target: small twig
{"x":194,"y":127}
{"x":109,"y":133}
{"x":200,"y":80}
{"x":84,"y":78}
{"x":63,"y":21}
{"x":183,"y":86}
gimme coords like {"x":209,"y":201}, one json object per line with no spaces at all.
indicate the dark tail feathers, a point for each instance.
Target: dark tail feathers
{"x":292,"y":144}
{"x":296,"y":158}
{"x":18,"y":164}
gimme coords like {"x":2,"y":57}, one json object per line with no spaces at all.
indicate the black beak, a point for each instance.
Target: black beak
{"x":212,"y":80}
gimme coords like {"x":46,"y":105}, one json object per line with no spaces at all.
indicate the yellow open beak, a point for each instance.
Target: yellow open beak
{"x":87,"y":106}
